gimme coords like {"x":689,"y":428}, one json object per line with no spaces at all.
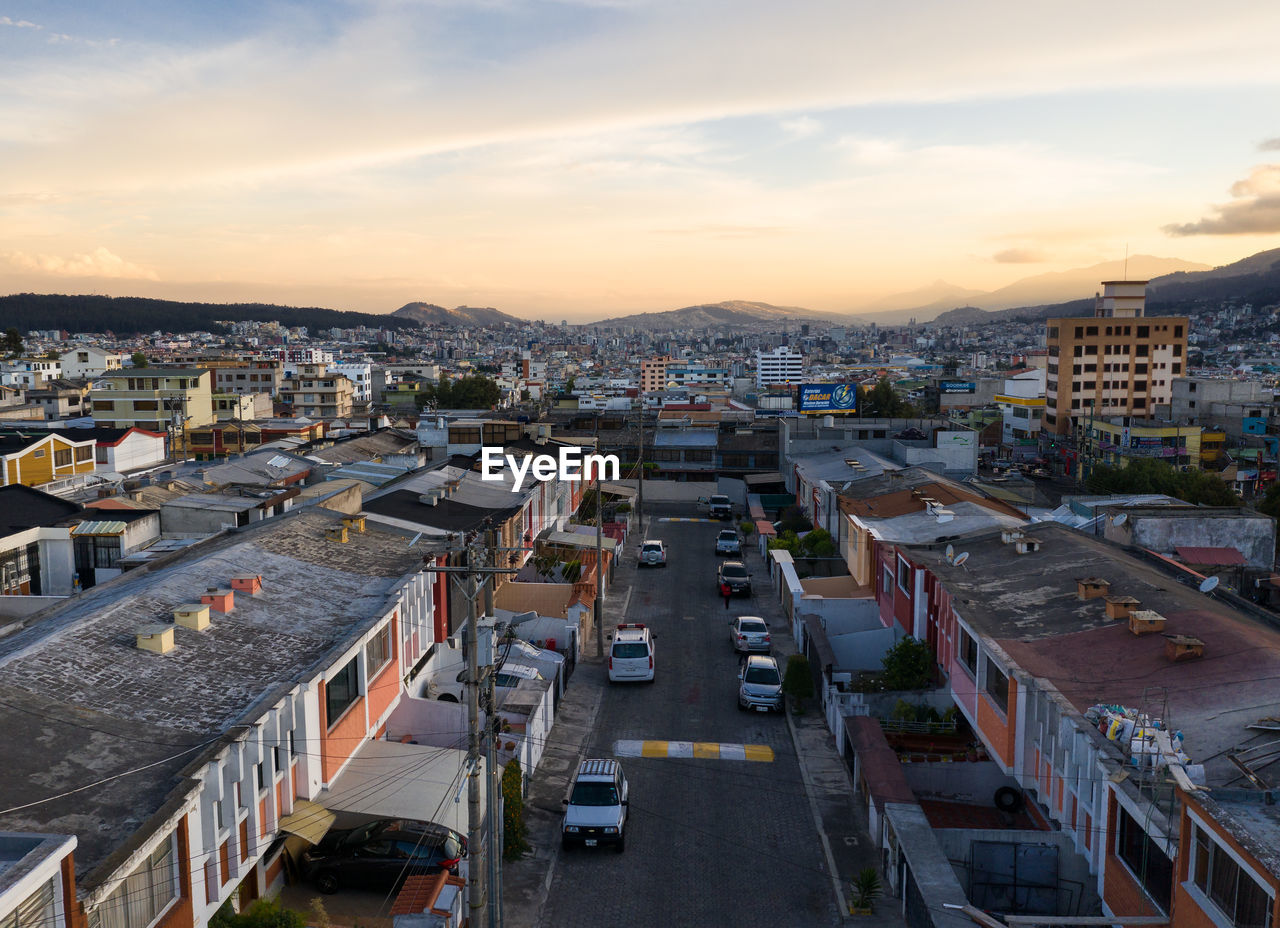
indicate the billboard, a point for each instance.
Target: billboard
{"x":828,"y":397}
{"x":957,"y":386}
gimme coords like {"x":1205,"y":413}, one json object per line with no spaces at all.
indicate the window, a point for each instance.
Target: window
{"x":969,"y":652}
{"x":1144,"y":331}
{"x":904,"y":575}
{"x":100,"y":454}
{"x":1091,"y":330}
{"x":997,"y":685}
{"x":145,"y":405}
{"x":36,"y":911}
{"x":1053,"y":331}
{"x":1228,"y":886}
{"x":342,"y":690}
{"x":62,"y":457}
{"x":104,"y":406}
{"x":886,"y":582}
{"x":378,"y":651}
{"x":1149,"y":865}
{"x":144,"y":894}
{"x":84,"y":452}
{"x":260,"y":774}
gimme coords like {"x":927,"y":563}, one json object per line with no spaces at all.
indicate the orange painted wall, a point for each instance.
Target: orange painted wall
{"x":182,"y":915}
{"x":385,"y":687}
{"x":1186,"y":911}
{"x":999,"y":731}
{"x":1121,"y":892}
{"x":73,"y":908}
{"x":340,"y":741}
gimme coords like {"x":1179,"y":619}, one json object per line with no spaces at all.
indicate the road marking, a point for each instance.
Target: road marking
{"x":702,"y":750}
{"x":685,"y":519}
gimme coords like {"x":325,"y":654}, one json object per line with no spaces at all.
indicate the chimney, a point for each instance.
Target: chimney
{"x":247,"y":583}
{"x":1145,"y":622}
{"x":355,"y":522}
{"x":1179,"y":648}
{"x":337,"y":533}
{"x":194,"y":616}
{"x":156,"y":638}
{"x":1120,"y":607}
{"x":219,"y":600}
{"x":1091,"y":588}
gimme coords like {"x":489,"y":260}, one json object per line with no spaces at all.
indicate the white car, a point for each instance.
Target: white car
{"x":653,"y":553}
{"x":595,"y":811}
{"x":749,"y":633}
{"x":454,"y":690}
{"x":631,"y":654}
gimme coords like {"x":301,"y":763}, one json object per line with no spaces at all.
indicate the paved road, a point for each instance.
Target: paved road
{"x":713,"y":842}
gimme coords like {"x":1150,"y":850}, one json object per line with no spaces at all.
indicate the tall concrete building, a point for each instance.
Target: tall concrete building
{"x":781,"y":365}
{"x":1117,"y":362}
{"x":653,"y":374}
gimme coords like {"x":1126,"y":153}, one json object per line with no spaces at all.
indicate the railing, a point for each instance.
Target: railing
{"x":921,"y":728}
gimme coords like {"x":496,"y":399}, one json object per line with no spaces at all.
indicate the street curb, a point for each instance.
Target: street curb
{"x":841,"y":902}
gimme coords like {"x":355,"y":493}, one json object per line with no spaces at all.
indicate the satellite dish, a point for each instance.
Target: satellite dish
{"x":415,"y":539}
{"x":1120,"y":519}
{"x":951,"y":552}
{"x":961,"y":558}
{"x":1208,"y":585}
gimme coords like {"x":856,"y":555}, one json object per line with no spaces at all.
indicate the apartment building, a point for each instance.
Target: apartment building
{"x":246,"y":406}
{"x":318,"y":393}
{"x":154,"y":398}
{"x":89,"y":362}
{"x":1118,"y":361}
{"x":259,"y":672}
{"x":653,"y":374}
{"x":1237,"y":407}
{"x":781,"y":365}
{"x":360,"y":373}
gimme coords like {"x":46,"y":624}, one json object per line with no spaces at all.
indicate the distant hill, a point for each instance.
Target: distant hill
{"x":431,"y":314}
{"x":729,"y":314}
{"x":131,"y":315}
{"x":1037,"y":290}
{"x":1255,"y":279}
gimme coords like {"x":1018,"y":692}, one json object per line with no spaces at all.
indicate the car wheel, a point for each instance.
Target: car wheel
{"x":327,"y":883}
{"x":622,"y":843}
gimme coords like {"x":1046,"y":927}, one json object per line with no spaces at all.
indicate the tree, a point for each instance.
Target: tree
{"x":883,"y":402}
{"x":514,"y":841}
{"x":787,"y":541}
{"x":568,"y":385}
{"x":818,"y":543}
{"x":908,"y":665}
{"x":1149,"y":475}
{"x":139,"y":359}
{"x":797,"y":683}
{"x":473,"y":392}
{"x":13,"y":344}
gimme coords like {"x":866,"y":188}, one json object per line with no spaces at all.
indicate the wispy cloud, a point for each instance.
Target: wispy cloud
{"x":1269,"y":145}
{"x":1019,"y":256}
{"x":802,"y":127}
{"x":100,"y":262}
{"x":17,"y":23}
{"x":1255,"y":209}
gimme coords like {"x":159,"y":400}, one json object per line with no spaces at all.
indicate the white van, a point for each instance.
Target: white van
{"x":631,"y":654}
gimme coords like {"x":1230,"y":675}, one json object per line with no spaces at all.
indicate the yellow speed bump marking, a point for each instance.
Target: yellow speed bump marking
{"x":703,"y":750}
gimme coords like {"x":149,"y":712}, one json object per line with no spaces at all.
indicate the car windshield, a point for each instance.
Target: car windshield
{"x":625,"y":649}
{"x":594,"y":794}
{"x":762,"y":675}
{"x":513,"y":679}
{"x":728,"y":535}
{"x":736,"y":571}
{"x":719,"y":501}
{"x":753,"y":626}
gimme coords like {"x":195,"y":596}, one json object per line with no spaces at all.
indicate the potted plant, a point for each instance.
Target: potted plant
{"x":866,"y":889}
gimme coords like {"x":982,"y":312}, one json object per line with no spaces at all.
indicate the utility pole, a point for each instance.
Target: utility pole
{"x":599,"y":567}
{"x":493,"y":803}
{"x":475,"y":848}
{"x":640,"y":474}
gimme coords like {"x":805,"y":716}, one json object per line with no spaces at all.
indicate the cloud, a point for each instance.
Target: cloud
{"x":100,"y":262}
{"x":17,"y":23}
{"x":802,"y":127}
{"x":1254,"y":211}
{"x":1269,"y":145}
{"x":1019,"y":256}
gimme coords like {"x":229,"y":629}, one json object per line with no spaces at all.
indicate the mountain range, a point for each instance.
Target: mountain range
{"x":431,"y":314}
{"x":729,"y":314}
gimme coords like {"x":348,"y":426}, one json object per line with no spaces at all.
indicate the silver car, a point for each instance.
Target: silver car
{"x":749,"y":633}
{"x":760,"y":684}
{"x":653,"y":553}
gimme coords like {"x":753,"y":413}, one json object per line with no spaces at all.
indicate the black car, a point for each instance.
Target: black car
{"x":381,"y":853}
{"x":735,"y":574}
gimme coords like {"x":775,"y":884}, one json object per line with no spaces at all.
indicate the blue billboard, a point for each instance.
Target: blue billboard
{"x":828,"y":397}
{"x":957,"y":386}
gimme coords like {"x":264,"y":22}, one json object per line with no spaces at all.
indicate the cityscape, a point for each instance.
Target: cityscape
{"x":610,"y":463}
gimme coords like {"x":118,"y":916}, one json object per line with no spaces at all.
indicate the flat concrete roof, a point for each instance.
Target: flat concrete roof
{"x":79,"y":702}
{"x":1028,"y":605}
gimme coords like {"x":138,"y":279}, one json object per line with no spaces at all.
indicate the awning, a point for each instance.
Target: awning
{"x":395,"y":780}
{"x":308,"y":820}
{"x":1211,"y":557}
{"x":99,"y":528}
{"x":617,"y":489}
{"x":578,"y":540}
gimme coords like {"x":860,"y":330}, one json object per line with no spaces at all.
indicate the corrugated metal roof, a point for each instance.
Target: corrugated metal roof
{"x":1210,"y":557}
{"x":99,"y":528}
{"x":575,"y":540}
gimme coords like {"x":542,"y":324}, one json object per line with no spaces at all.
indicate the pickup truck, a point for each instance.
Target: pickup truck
{"x":719,"y":507}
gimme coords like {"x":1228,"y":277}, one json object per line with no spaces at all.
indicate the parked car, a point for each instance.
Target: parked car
{"x":728,"y":543}
{"x":596,"y":809}
{"x":760,"y":684}
{"x":653,"y":553}
{"x":749,"y":633}
{"x":720,"y":507}
{"x":734,"y":573}
{"x":381,"y":853}
{"x":508,"y":677}
{"x":631,"y":654}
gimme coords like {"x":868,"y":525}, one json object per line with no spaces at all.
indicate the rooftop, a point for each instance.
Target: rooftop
{"x":23,"y":507}
{"x":79,"y":703}
{"x":1034,"y":615}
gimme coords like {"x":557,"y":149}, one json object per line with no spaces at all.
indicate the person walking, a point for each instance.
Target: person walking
{"x":727,"y":593}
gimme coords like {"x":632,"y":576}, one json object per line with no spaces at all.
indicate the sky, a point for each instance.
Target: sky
{"x":579,"y":159}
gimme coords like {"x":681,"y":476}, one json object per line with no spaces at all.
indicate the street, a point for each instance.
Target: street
{"x":709,"y":840}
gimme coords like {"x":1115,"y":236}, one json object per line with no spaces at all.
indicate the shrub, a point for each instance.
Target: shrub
{"x":793,"y":519}
{"x":747,"y":528}
{"x":818,"y":543}
{"x":514,"y":841}
{"x":908,"y":665}
{"x":797,"y":684}
{"x":787,"y":541}
{"x":264,"y":913}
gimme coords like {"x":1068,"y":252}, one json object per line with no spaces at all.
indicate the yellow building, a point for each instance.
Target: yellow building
{"x":37,"y":458}
{"x":1116,"y":442}
{"x":154,"y":398}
